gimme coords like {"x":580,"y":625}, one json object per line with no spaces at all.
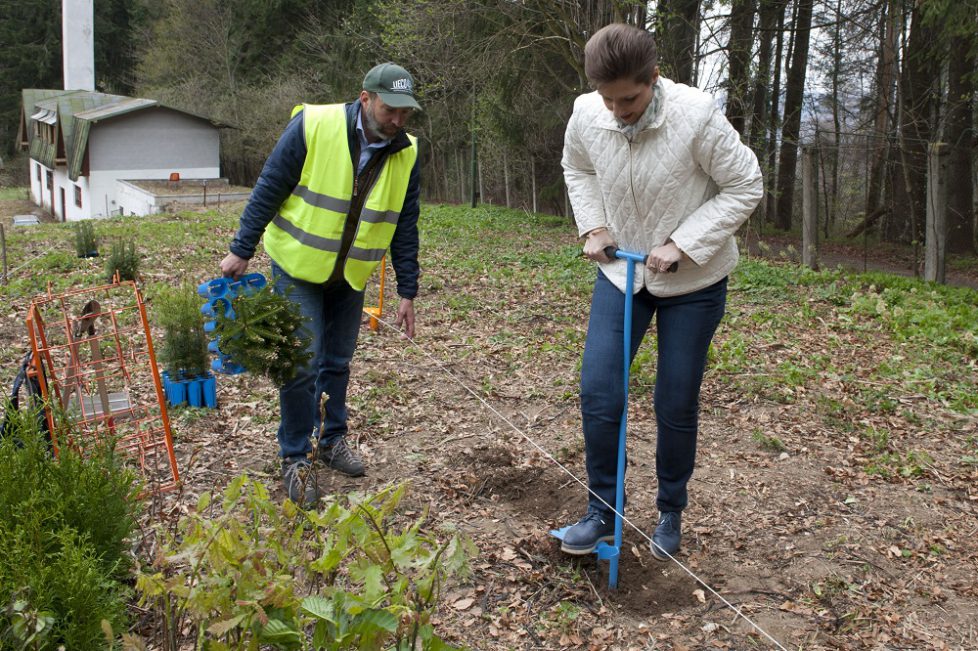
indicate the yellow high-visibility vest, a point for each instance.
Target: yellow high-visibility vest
{"x":305,"y":236}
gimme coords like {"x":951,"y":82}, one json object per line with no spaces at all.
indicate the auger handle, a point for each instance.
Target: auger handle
{"x":613,"y":251}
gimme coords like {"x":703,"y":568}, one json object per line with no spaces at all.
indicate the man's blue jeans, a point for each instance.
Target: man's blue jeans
{"x":685,"y":325}
{"x":333,"y":315}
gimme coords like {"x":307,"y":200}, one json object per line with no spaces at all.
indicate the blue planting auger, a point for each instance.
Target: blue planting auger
{"x":603,"y":550}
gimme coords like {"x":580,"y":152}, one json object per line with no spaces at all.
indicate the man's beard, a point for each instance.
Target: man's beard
{"x":372,"y":125}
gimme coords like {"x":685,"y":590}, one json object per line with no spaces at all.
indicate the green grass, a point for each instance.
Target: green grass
{"x":188,"y":242}
{"x":936,"y":326}
{"x":505,"y":248}
{"x":14,"y":194}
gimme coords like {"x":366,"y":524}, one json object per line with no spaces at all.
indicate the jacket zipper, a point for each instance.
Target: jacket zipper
{"x":356,"y":207}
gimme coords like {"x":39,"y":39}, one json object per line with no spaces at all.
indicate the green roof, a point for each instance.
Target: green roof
{"x":72,"y":112}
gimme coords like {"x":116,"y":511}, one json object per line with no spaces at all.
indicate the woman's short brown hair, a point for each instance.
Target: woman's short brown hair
{"x":620,"y":51}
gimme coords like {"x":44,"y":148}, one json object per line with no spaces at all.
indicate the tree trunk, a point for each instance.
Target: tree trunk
{"x":482,"y":192}
{"x":762,"y":80}
{"x":533,"y":181}
{"x":460,"y":175}
{"x":771,"y":211}
{"x":677,"y":26}
{"x":445,"y":176}
{"x":506,"y":178}
{"x":885,"y":67}
{"x":961,"y":90}
{"x":794,"y":94}
{"x":739,"y":49}
{"x":917,"y":85}
{"x":832,"y":200}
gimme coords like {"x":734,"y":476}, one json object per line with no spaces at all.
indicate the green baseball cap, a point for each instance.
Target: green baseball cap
{"x":393,"y":83}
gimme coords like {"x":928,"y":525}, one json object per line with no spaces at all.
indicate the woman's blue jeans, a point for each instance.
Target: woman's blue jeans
{"x":685,"y":326}
{"x":333,"y":315}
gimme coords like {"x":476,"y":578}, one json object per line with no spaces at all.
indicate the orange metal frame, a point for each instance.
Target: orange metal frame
{"x":93,"y":357}
{"x":375,"y":312}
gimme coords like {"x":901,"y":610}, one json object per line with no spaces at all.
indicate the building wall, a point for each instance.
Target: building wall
{"x":37,"y":184}
{"x":148,"y":144}
{"x":154,"y":139}
{"x":134,"y":200}
{"x":41,"y":192}
{"x":71,"y":211}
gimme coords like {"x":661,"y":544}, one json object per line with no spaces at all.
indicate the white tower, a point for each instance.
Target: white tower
{"x":78,"y":44}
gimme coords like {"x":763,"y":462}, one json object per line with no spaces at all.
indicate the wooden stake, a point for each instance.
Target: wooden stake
{"x":3,"y":248}
{"x":809,"y":230}
{"x":936,"y":234}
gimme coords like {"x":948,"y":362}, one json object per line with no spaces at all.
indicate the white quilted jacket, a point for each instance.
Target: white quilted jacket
{"x":686,"y":177}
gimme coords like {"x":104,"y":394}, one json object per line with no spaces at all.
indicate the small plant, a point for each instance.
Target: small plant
{"x":564,"y":617}
{"x":263,"y":335}
{"x":65,"y":524}
{"x":248,"y":571}
{"x":184,"y":348}
{"x":123,"y":260}
{"x":768,"y":442}
{"x":890,"y":465}
{"x":86,"y":239}
{"x":879,"y":438}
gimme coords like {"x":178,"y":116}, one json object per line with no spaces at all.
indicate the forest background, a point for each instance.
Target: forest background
{"x":868,"y":84}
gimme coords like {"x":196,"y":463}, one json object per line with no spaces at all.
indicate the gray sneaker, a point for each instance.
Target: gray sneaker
{"x":301,"y":484}
{"x":339,"y":456}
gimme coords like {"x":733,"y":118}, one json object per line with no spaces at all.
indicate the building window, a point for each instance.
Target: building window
{"x":78,"y":196}
{"x":37,"y":166}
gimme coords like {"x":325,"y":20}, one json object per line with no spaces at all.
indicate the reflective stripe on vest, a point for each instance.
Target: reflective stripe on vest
{"x":305,"y":236}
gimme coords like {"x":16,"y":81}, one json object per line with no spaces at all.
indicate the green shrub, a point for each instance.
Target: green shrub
{"x":123,"y":260}
{"x":65,"y":525}
{"x":264,"y":335}
{"x":250,"y":571}
{"x":184,"y":346}
{"x":86,"y":239}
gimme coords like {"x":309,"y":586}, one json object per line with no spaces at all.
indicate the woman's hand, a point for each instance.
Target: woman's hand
{"x":595,"y":244}
{"x":663,"y":257}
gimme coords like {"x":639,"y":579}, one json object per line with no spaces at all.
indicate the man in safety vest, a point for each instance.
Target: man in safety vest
{"x":340,"y":187}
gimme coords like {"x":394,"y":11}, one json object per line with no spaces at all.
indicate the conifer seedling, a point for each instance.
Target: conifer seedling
{"x":263,"y":335}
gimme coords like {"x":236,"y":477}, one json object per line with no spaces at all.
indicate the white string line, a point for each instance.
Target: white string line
{"x":574,"y":477}
{"x":30,"y":260}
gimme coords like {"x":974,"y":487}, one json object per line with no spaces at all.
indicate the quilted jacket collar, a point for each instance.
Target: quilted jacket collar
{"x":606,"y":120}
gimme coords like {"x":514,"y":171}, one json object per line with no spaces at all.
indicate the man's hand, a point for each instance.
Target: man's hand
{"x":233,"y":266}
{"x":663,"y":257}
{"x":405,"y":315}
{"x":595,"y":244}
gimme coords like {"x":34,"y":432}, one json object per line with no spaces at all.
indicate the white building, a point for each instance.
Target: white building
{"x":83,"y":143}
